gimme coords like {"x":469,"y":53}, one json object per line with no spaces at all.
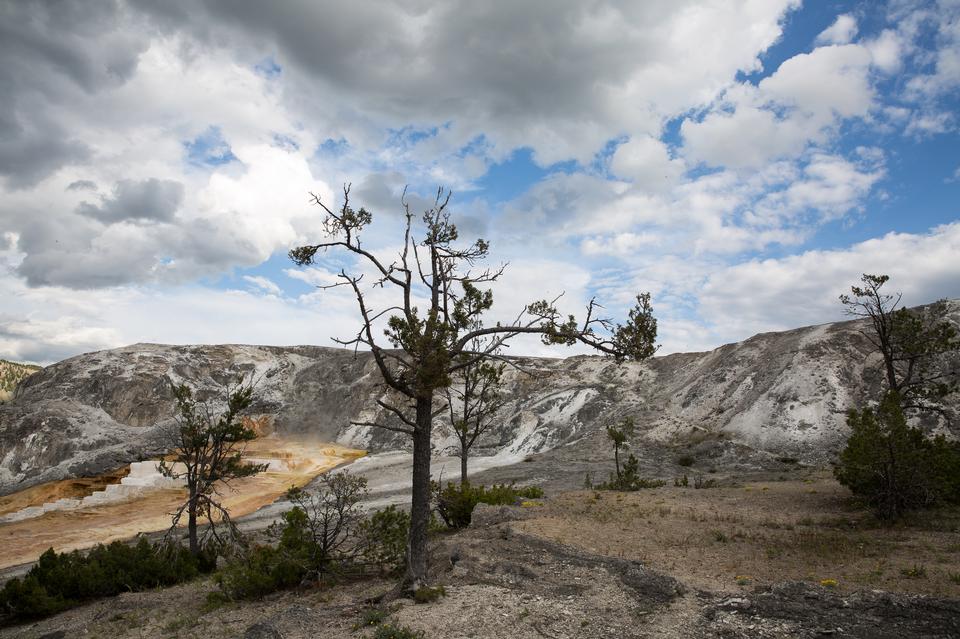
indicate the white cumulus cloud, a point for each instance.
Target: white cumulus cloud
{"x":842,"y":31}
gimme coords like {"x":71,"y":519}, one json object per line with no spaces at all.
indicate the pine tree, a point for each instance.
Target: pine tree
{"x":207,"y":454}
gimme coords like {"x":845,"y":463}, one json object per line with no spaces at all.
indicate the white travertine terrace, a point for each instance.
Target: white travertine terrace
{"x":143,"y":478}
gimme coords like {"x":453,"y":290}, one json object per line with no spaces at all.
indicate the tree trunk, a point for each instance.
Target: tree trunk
{"x":420,"y":503}
{"x":463,"y":466}
{"x":886,"y":350}
{"x":891,"y":370}
{"x":616,"y":460}
{"x":192,"y":523}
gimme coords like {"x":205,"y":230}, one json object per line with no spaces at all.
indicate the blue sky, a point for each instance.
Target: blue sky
{"x":743,"y":162}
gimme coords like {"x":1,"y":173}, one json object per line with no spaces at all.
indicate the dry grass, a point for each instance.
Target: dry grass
{"x":808,"y":530}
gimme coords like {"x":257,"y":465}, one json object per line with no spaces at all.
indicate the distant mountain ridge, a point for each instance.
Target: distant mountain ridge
{"x":782,"y":394}
{"x":11,"y":374}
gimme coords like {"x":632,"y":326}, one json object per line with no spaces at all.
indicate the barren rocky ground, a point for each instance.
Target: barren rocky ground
{"x":745,"y":559}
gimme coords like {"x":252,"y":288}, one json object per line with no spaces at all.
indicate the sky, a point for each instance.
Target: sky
{"x":744,"y":162}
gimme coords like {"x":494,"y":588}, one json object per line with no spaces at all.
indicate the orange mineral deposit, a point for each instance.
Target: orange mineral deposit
{"x":81,"y":513}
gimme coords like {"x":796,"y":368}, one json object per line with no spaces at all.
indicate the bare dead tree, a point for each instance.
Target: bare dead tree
{"x":330,"y":516}
{"x":432,"y":325}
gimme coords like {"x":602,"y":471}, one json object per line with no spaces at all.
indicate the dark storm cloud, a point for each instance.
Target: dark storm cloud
{"x":462,"y":78}
{"x":111,"y":245}
{"x":80,"y":253}
{"x":471,"y":227}
{"x":514,"y":57}
{"x":51,"y":51}
{"x":562,"y":76}
{"x":31,"y":150}
{"x":379,"y":193}
{"x":82,"y":185}
{"x":65,"y":249}
{"x":149,"y":200}
{"x":80,"y":41}
{"x":450,"y":60}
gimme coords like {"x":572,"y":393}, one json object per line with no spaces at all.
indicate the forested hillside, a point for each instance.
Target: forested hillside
{"x":11,"y":374}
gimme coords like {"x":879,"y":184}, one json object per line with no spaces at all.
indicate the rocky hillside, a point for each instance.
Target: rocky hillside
{"x":11,"y":374}
{"x":775,"y":394}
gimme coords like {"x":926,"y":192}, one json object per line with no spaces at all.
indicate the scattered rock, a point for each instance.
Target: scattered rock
{"x":262,"y":630}
{"x":485,"y":515}
{"x":810,"y":611}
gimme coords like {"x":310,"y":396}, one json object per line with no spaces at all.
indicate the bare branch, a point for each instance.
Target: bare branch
{"x":396,"y":411}
{"x":444,"y":337}
{"x":396,"y":429}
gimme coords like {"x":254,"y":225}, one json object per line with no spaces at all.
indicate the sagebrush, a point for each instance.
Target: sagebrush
{"x":324,"y":537}
{"x":455,"y":502}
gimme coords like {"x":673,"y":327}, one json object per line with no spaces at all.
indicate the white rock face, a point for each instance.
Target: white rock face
{"x":782,"y":394}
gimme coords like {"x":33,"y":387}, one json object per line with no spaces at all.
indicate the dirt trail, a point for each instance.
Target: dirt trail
{"x":24,"y":541}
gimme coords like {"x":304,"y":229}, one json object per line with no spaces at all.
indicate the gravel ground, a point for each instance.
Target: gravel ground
{"x":504,"y":583}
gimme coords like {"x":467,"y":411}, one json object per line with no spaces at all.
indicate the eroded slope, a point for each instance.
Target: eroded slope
{"x":775,"y":394}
